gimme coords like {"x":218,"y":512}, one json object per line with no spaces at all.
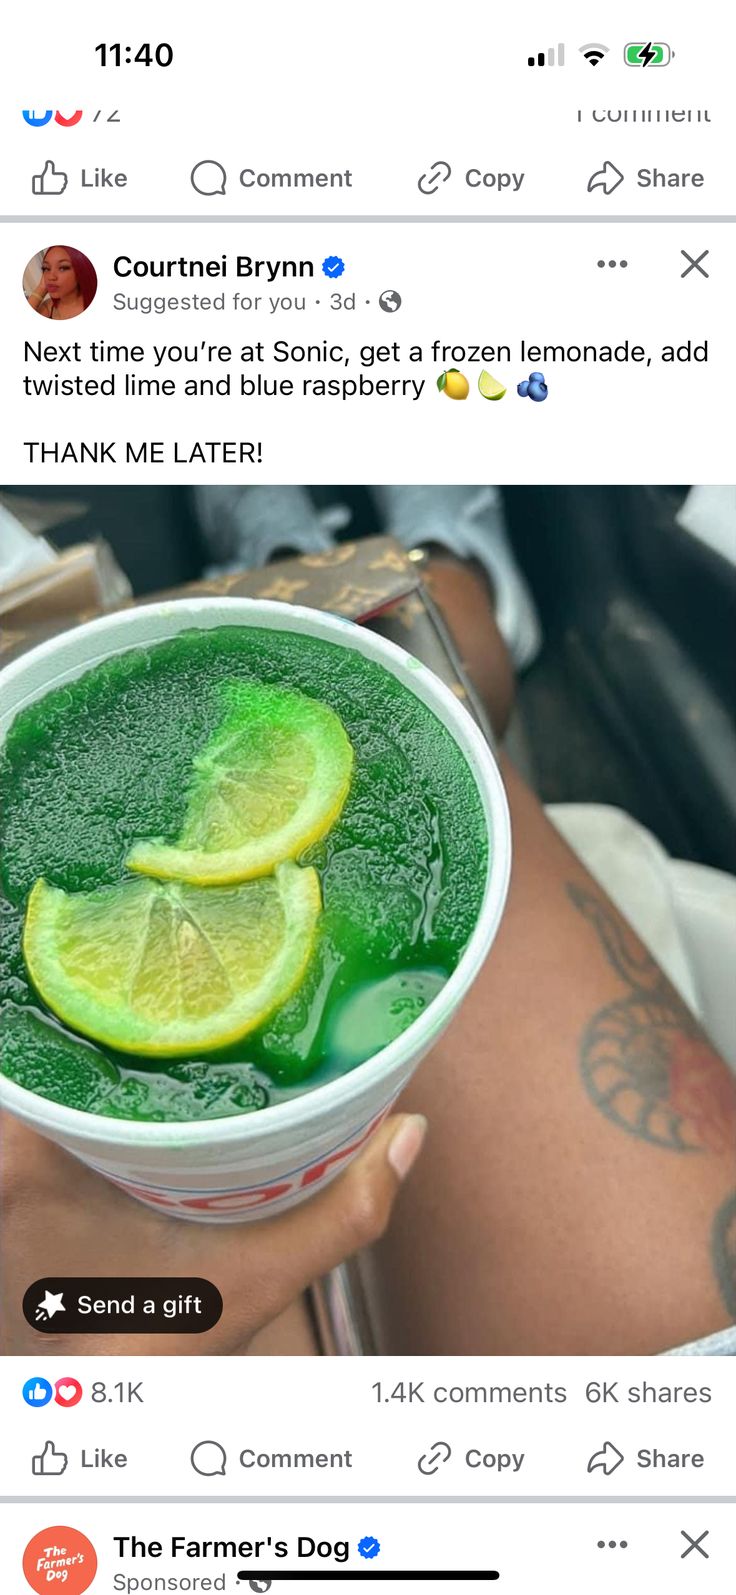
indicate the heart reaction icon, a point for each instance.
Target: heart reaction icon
{"x":67,"y":1392}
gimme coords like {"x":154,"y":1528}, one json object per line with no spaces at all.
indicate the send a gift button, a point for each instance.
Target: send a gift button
{"x":123,"y":1306}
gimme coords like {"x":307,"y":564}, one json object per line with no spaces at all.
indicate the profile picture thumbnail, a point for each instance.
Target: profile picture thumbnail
{"x":59,"y":282}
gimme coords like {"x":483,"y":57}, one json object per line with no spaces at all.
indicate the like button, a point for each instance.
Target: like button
{"x":50,"y":1460}
{"x":49,"y":181}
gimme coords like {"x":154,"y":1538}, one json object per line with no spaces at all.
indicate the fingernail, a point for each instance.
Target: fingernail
{"x":406,"y":1145}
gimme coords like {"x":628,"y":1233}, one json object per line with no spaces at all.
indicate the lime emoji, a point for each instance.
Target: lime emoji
{"x":490,"y":387}
{"x":454,"y":384}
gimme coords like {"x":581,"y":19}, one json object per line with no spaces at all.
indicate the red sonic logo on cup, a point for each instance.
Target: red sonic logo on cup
{"x":239,"y":1201}
{"x":60,"y":1558}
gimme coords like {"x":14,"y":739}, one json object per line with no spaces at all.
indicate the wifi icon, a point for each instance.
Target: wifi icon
{"x":594,"y":53}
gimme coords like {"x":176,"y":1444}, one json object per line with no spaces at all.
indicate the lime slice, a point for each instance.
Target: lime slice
{"x":272,"y":779}
{"x":490,"y":387}
{"x":164,"y":969}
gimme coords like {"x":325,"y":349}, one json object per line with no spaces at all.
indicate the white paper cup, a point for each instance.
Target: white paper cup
{"x":228,"y":1170}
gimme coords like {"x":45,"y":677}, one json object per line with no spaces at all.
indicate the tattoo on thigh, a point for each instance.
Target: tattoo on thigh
{"x":645,"y":1063}
{"x":724,"y":1252}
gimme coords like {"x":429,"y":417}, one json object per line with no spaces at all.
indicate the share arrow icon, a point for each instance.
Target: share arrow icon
{"x":608,"y":178}
{"x":608,"y":1459}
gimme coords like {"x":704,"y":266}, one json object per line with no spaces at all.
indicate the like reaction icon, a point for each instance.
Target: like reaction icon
{"x":50,"y":1461}
{"x":37,"y":1392}
{"x":49,"y":181}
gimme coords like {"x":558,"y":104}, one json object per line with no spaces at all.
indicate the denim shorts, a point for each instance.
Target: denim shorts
{"x":722,"y":1344}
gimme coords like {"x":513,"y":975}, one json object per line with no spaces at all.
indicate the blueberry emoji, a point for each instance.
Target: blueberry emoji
{"x":535,"y":388}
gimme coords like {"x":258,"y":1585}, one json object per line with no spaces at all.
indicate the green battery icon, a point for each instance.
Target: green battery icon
{"x":647,"y":54}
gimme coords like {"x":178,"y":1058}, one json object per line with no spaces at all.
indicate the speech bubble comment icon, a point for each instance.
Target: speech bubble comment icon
{"x":209,"y":1458}
{"x":208,"y":178}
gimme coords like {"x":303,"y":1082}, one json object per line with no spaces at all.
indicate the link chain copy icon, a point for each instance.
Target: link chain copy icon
{"x":49,"y":181}
{"x":432,"y":1460}
{"x":430,"y":181}
{"x":608,"y":1459}
{"x":49,"y":1460}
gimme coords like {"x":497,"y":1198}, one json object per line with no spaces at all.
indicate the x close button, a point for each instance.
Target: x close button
{"x":695,"y":264}
{"x":695,"y":1545}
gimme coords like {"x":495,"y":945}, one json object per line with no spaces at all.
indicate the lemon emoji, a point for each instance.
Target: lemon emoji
{"x":454,"y":384}
{"x":490,"y":387}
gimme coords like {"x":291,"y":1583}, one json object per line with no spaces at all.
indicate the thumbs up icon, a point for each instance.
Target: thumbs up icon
{"x":49,"y":181}
{"x":50,"y":1461}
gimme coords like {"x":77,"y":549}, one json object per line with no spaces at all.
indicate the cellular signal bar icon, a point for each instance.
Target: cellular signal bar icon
{"x":547,"y":57}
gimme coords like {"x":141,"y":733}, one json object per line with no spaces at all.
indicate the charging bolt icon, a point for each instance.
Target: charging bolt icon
{"x":648,"y":54}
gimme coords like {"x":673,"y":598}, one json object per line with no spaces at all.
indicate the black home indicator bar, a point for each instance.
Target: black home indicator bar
{"x":263,"y":1578}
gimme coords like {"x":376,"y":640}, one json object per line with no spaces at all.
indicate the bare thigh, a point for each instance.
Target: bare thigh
{"x":577,"y":1192}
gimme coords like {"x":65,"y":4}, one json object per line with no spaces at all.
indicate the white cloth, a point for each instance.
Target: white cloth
{"x":710,"y":514}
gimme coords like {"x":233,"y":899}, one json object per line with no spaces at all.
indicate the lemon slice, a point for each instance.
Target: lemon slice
{"x":165,"y":969}
{"x":272,"y":779}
